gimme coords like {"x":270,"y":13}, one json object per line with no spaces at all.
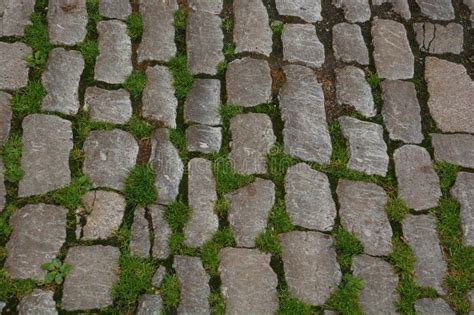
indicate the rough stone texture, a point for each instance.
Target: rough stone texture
{"x":67,"y":21}
{"x":5,"y":117}
{"x":3,"y":191}
{"x":437,"y":9}
{"x":420,"y":234}
{"x":302,"y":45}
{"x":167,"y":164}
{"x":463,"y":191}
{"x":149,"y":304}
{"x":454,"y":148}
{"x":89,"y":284}
{"x":115,"y":9}
{"x":162,"y":232}
{"x":401,"y":111}
{"x":157,"y":15}
{"x":203,"y":222}
{"x":47,"y":141}
{"x":15,"y":16}
{"x":439,"y":39}
{"x":429,"y":306}
{"x":252,"y":31}
{"x":311,"y":269}
{"x":38,"y":232}
{"x":249,"y":210}
{"x":352,"y":89}
{"x":159,"y":101}
{"x":114,"y":63}
{"x":38,"y":302}
{"x":451,"y":93}
{"x":210,"y":6}
{"x":398,"y":6}
{"x":249,"y":82}
{"x":158,"y":276}
{"x":355,"y":11}
{"x":348,"y":43}
{"x":140,"y":241}
{"x":109,"y":156}
{"x":203,"y":102}
{"x":252,"y":140}
{"x":106,"y":210}
{"x":308,"y":10}
{"x":248,"y":282}
{"x":204,"y":139}
{"x":418,"y":183}
{"x":367,"y":149}
{"x":204,"y":42}
{"x":379,"y":293}
{"x":470,"y":5}
{"x":14,"y":70}
{"x":362,"y":211}
{"x":471,"y":299}
{"x":308,"y":198}
{"x":61,"y":81}
{"x":108,"y":106}
{"x":392,"y":53}
{"x":193,"y":285}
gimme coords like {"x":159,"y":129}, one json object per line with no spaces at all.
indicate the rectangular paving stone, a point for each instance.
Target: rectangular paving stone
{"x":302,"y":45}
{"x":140,"y":244}
{"x":162,"y":232}
{"x":348,"y":43}
{"x":454,"y":148}
{"x":352,"y":89}
{"x":14,"y":70}
{"x":463,"y":191}
{"x":204,"y":139}
{"x":15,"y":16}
{"x":355,"y":11}
{"x":5,"y":117}
{"x":67,"y":21}
{"x":307,"y":10}
{"x":38,"y":302}
{"x":427,"y":306}
{"x":108,"y":106}
{"x":437,"y":9}
{"x":115,"y":9}
{"x":203,"y":102}
{"x":210,"y":6}
{"x":439,"y":39}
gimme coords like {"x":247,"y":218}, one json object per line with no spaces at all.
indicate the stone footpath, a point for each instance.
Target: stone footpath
{"x":365,"y":102}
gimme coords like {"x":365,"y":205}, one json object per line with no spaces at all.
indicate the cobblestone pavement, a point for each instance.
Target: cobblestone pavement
{"x":237,"y":157}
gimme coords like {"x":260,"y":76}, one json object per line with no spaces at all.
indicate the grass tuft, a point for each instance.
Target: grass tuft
{"x":13,"y":288}
{"x":227,"y":180}
{"x":89,"y":50}
{"x":289,"y":305}
{"x":140,"y":186}
{"x":227,"y":24}
{"x":28,"y":100}
{"x":277,"y":27}
{"x":347,"y":246}
{"x":134,"y":26}
{"x":170,"y":292}
{"x":180,"y":19}
{"x":268,"y":242}
{"x":345,"y":299}
{"x":135,"y":83}
{"x":210,"y":250}
{"x":70,"y":196}
{"x":138,"y":127}
{"x":183,"y":78}
{"x":11,"y":153}
{"x":279,"y":219}
{"x":447,"y":175}
{"x":217,"y":303}
{"x":229,"y":50}
{"x":36,"y":36}
{"x":396,"y":209}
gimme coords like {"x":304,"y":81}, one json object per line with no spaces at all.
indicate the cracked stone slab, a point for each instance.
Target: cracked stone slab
{"x":252,"y":140}
{"x":89,"y":284}
{"x":114,"y":63}
{"x":67,"y":21}
{"x":158,"y":276}
{"x":140,"y":241}
{"x":47,"y":142}
{"x":38,"y":302}
{"x":61,"y":81}
{"x":367,"y":149}
{"x":108,"y":106}
{"x":355,"y":11}
{"x":393,"y":57}
{"x":248,"y":282}
{"x":352,"y":89}
{"x":305,"y":133}
{"x":5,"y":117}
{"x":14,"y":70}
{"x":429,"y":306}
{"x":249,"y":82}
{"x":209,"y":6}
{"x":301,"y":45}
{"x":149,"y":304}
{"x":417,"y":181}
{"x":202,"y":195}
{"x":115,"y":9}
{"x":308,"y":198}
{"x":400,"y":7}
{"x":439,"y":39}
{"x":204,"y":139}
{"x":348,"y":43}
{"x":203,"y":102}
{"x":451,"y":93}
{"x":454,"y":148}
{"x":362,"y":211}
{"x":401,"y":111}
{"x":38,"y":233}
{"x":437,"y":9}
{"x":3,"y":190}
{"x":307,"y":10}
{"x":311,"y":269}
{"x":109,"y":156}
{"x":420,"y":234}
{"x":249,"y":210}
{"x":162,"y":232}
{"x":15,"y":16}
{"x":463,"y":191}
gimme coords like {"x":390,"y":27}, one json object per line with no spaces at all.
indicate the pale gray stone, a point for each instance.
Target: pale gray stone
{"x":471,"y":299}
{"x":89,"y":284}
{"x":38,"y":233}
{"x":203,"y":102}
{"x":3,"y":190}
{"x":355,"y":11}
{"x":15,"y":16}
{"x":439,"y":39}
{"x":352,"y":89}
{"x":5,"y":117}
{"x":67,"y":21}
{"x":47,"y":141}
{"x":418,"y":183}
{"x":14,"y":70}
{"x":108,"y":106}
{"x":140,"y":240}
{"x":38,"y":302}
{"x":454,"y":148}
{"x":158,"y":276}
{"x":308,"y":10}
{"x":348,"y":43}
{"x":115,"y":9}
{"x":463,"y":191}
{"x":249,"y":209}
{"x":210,"y":6}
{"x":302,"y":45}
{"x":436,"y":306}
{"x":470,"y":5}
{"x":398,"y":6}
{"x":162,"y":232}
{"x":311,"y":269}
{"x":149,"y":304}
{"x":204,"y":139}
{"x":437,"y":9}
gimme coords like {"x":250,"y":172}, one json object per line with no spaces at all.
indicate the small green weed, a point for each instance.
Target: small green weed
{"x":347,"y":246}
{"x":217,"y":303}
{"x":170,"y":291}
{"x":227,"y":180}
{"x":277,"y":27}
{"x":135,"y":83}
{"x":210,"y":250}
{"x":279,"y":219}
{"x":36,"y":36}
{"x":277,"y":164}
{"x":138,"y":127}
{"x":140,"y":187}
{"x":13,"y":288}
{"x":345,"y":300}
{"x":134,"y":26}
{"x":28,"y":100}
{"x":374,"y":80}
{"x":229,"y":50}
{"x":11,"y":152}
{"x":447,"y":174}
{"x":180,"y":19}
{"x":89,"y":50}
{"x":183,"y":79}
{"x":289,"y":305}
{"x":221,"y":68}
{"x":178,"y":138}
{"x":268,"y":242}
{"x":227,"y":24}
{"x":229,"y":111}
{"x":70,"y":196}
{"x":57,"y":271}
{"x":396,"y":209}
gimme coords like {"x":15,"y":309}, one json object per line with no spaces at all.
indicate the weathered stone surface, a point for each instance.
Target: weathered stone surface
{"x":454,"y":148}
{"x":108,"y":106}
{"x":348,"y":43}
{"x":249,"y":210}
{"x":210,"y":6}
{"x":367,"y":149}
{"x":437,"y":9}
{"x":167,"y":164}
{"x":401,"y":111}
{"x":15,"y":16}
{"x":5,"y":117}
{"x":470,"y":297}
{"x":115,"y":9}
{"x":248,"y":282}
{"x":61,"y":81}
{"x":355,"y":11}
{"x":159,"y":101}
{"x":89,"y":284}
{"x":162,"y":232}
{"x":3,"y":190}
{"x":157,"y":15}
{"x":14,"y":70}
{"x":114,"y":63}
{"x":252,"y":140}
{"x":38,"y":232}
{"x":463,"y":191}
{"x":470,"y":5}
{"x":204,"y":139}
{"x":47,"y":141}
{"x":362,"y":211}
{"x":392,"y":53}
{"x":420,"y":234}
{"x":308,"y":10}
{"x":203,"y":222}
{"x":352,"y":89}
{"x":109,"y":155}
{"x":439,"y":39}
{"x":249,"y":82}
{"x":311,"y":269}
{"x":305,"y":134}
{"x":418,"y":183}
{"x":149,"y":304}
{"x":158,"y":276}
{"x":302,"y":45}
{"x":398,"y":6}
{"x":105,"y":211}
{"x":429,"y":306}
{"x":140,"y":241}
{"x":193,"y":285}
{"x":203,"y":102}
{"x":451,"y":93}
{"x":38,"y":302}
{"x":379,"y":292}
{"x":67,"y":21}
